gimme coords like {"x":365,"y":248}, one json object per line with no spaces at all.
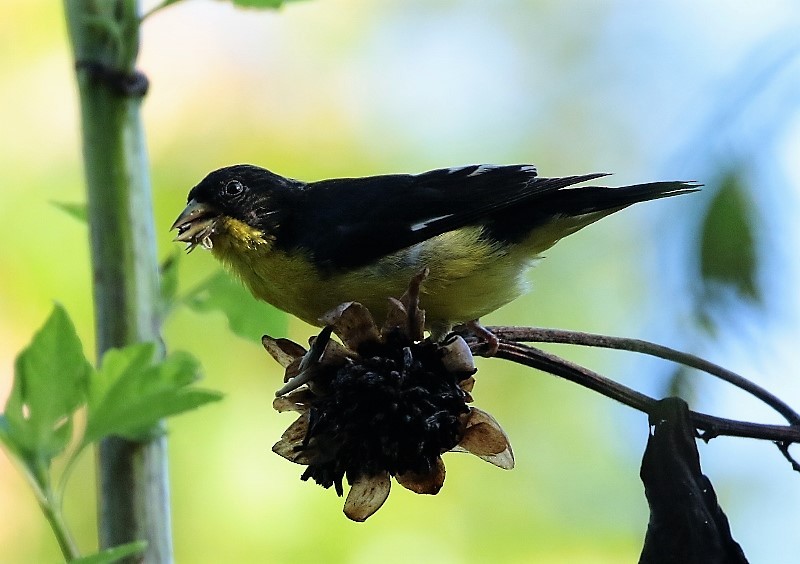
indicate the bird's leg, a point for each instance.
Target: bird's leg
{"x":484,"y":334}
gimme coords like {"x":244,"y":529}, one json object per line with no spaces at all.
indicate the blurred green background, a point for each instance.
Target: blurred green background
{"x":657,"y":90}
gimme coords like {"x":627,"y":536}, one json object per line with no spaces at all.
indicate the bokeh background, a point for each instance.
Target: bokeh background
{"x":659,"y":90}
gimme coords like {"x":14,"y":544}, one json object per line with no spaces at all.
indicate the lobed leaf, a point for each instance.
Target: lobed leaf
{"x":247,"y":317}
{"x":50,"y":376}
{"x":133,"y":392}
{"x":7,"y":439}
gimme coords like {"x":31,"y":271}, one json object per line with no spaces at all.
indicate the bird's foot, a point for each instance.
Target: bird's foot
{"x":485,"y":337}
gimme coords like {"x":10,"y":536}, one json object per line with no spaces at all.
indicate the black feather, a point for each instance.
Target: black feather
{"x":347,"y":223}
{"x":351,"y":222}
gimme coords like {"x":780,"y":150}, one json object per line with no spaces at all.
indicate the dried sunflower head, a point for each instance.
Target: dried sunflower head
{"x":384,"y":403}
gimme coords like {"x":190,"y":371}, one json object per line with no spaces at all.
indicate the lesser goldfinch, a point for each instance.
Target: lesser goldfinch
{"x":306,"y":247}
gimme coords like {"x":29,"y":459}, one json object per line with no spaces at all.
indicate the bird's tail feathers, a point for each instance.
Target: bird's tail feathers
{"x":572,"y":209}
{"x":592,"y":199}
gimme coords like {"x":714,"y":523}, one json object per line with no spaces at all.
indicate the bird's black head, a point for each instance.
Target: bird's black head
{"x":247,"y":193}
{"x":243,"y":192}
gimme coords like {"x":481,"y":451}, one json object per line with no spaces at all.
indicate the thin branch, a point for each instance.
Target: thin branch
{"x":540,"y":335}
{"x":784,"y":448}
{"x":711,"y":425}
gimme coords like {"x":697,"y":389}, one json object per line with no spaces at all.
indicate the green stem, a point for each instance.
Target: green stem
{"x":158,"y":7}
{"x":134,"y":495}
{"x":67,"y":472}
{"x":38,"y":475}
{"x":52,"y":512}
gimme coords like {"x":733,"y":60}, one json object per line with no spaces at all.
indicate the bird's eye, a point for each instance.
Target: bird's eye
{"x":233,"y":188}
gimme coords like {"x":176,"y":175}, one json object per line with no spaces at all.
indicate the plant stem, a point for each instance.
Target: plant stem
{"x":134,"y":494}
{"x":52,"y":512}
{"x":541,"y":335}
{"x":711,"y":425}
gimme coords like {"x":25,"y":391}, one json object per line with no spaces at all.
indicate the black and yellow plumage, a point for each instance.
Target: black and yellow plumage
{"x":308,"y":247}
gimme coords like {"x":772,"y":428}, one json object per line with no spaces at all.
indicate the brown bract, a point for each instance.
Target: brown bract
{"x":382,"y":403}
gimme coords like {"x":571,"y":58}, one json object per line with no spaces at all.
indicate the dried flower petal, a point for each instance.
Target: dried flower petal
{"x":504,"y":460}
{"x":293,"y":369}
{"x":353,"y":323}
{"x":298,"y":400}
{"x":396,"y":318}
{"x":335,"y":354}
{"x":425,"y":483}
{"x":283,"y":351}
{"x":485,"y":438}
{"x":291,"y":444}
{"x":366,"y":496}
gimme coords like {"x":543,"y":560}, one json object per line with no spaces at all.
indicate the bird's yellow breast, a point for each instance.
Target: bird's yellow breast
{"x":469,"y":276}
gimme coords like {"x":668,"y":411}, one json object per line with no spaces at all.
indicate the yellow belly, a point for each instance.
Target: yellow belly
{"x":469,"y":277}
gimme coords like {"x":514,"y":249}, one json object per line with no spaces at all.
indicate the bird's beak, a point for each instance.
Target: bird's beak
{"x":196,"y":225}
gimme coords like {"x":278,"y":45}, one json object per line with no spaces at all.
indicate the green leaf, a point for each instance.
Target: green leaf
{"x":76,"y":211}
{"x":113,"y":554}
{"x":261,"y":3}
{"x":6,"y":438}
{"x":247,"y":317}
{"x":132,"y":392}
{"x":728,"y":253}
{"x":4,"y":429}
{"x":49,"y":381}
{"x":117,"y":366}
{"x":169,"y":282}
{"x":166,"y":3}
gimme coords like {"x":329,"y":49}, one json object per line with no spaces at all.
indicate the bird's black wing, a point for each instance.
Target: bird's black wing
{"x":350,"y":222}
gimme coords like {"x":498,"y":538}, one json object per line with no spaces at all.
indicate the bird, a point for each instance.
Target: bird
{"x":307,"y":247}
